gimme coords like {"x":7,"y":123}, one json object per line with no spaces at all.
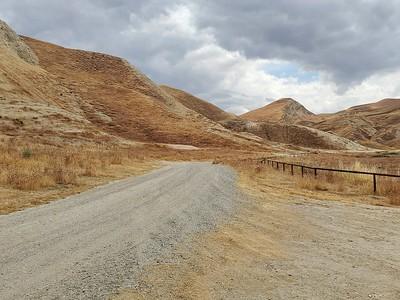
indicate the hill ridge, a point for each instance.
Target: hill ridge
{"x":285,"y":110}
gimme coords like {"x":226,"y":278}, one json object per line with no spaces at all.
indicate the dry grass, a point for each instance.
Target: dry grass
{"x":327,"y":185}
{"x":49,"y":166}
{"x":32,"y":174}
{"x":353,"y":183}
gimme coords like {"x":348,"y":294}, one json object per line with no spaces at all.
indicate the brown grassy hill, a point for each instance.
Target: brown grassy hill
{"x":284,"y":110}
{"x":51,"y":93}
{"x":375,"y":124}
{"x":121,"y":101}
{"x":204,"y":108}
{"x":294,"y":135}
{"x":33,"y":102}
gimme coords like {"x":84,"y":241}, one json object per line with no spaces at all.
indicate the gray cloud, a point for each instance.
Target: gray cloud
{"x":216,"y":49}
{"x":349,"y":40}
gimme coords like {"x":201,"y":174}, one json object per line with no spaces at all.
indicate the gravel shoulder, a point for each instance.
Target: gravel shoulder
{"x":93,"y":244}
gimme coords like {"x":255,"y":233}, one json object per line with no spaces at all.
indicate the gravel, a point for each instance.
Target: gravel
{"x":91,"y":245}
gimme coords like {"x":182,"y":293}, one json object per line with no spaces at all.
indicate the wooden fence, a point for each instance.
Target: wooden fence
{"x":315,"y":170}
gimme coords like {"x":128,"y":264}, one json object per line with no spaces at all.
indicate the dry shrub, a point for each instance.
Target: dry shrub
{"x":311,"y":184}
{"x":395,"y":200}
{"x":90,"y":170}
{"x":117,"y":159}
{"x":27,"y":176}
{"x":63,"y":174}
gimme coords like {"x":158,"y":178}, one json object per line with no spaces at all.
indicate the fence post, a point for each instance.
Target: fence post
{"x":315,"y":172}
{"x":374,"y":183}
{"x":291,"y":169}
{"x":283,"y":169}
{"x":277,"y":165}
{"x":302,"y":171}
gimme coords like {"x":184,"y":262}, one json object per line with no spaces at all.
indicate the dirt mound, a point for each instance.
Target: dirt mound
{"x":375,"y":124}
{"x":11,"y":41}
{"x":284,"y":110}
{"x":204,"y":108}
{"x":294,"y":134}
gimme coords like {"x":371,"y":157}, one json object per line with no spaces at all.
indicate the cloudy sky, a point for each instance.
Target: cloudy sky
{"x":238,"y":54}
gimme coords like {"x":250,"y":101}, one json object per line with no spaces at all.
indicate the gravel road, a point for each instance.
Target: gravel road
{"x":90,"y":245}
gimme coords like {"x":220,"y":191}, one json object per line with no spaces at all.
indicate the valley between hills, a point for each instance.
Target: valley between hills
{"x":136,"y":190}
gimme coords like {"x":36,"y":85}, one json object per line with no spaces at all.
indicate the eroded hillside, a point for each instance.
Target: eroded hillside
{"x":376,"y":124}
{"x":34,"y":104}
{"x":284,"y":110}
{"x":294,"y":135}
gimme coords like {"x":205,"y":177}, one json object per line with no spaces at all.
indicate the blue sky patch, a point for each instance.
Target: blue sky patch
{"x":290,"y":70}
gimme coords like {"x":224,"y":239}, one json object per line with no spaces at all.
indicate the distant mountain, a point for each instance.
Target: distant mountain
{"x":203,"y":107}
{"x":295,"y":135}
{"x":285,"y":110}
{"x":374,"y":124}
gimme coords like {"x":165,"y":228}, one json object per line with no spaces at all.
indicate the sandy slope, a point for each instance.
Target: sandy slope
{"x":89,"y":245}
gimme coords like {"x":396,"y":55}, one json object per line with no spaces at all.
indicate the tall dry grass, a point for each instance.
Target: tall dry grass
{"x":34,"y":167}
{"x":345,"y":184}
{"x":349,"y":182}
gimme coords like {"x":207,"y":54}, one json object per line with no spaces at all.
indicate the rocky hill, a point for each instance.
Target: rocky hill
{"x":34,"y":104}
{"x":294,"y":135}
{"x":285,"y":110}
{"x":375,"y":124}
{"x":10,"y":41}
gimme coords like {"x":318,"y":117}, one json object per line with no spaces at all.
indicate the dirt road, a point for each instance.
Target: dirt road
{"x":92,"y":244}
{"x":283,"y":244}
{"x":185,"y":232}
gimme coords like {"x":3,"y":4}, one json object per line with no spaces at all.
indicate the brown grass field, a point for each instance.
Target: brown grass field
{"x":327,"y":185}
{"x":33,"y":174}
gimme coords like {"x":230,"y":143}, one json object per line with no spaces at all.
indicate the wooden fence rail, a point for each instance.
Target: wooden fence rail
{"x":276,"y":164}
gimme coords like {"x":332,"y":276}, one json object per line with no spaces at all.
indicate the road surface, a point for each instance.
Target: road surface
{"x":92,"y":244}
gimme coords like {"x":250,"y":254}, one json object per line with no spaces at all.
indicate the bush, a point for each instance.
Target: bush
{"x":27,"y":153}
